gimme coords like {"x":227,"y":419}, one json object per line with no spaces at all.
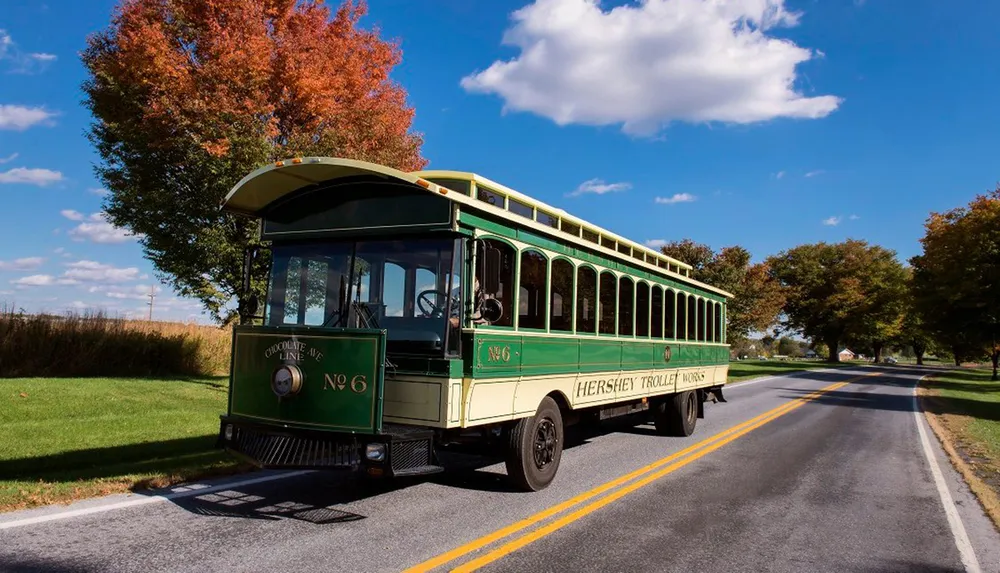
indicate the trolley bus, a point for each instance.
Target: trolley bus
{"x":410,"y":311}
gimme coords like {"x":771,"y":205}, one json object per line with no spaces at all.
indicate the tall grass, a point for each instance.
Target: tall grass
{"x":99,"y":345}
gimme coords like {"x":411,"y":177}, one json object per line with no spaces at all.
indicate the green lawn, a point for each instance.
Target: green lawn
{"x":66,"y":438}
{"x":745,"y":369}
{"x":970,"y":393}
{"x":967,"y":404}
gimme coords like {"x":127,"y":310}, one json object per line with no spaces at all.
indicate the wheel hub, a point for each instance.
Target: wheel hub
{"x":545,"y":443}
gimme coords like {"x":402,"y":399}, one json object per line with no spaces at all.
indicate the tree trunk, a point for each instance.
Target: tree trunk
{"x":958,"y":356}
{"x":831,"y":344}
{"x":996,"y":358}
{"x":877,"y":347}
{"x":918,"y":351}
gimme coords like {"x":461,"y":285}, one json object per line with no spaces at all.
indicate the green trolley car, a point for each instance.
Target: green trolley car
{"x":407,"y":312}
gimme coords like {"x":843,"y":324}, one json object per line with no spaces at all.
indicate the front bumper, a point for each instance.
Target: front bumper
{"x":269,"y":446}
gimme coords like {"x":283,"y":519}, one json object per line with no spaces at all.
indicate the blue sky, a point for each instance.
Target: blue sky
{"x":835,"y":119}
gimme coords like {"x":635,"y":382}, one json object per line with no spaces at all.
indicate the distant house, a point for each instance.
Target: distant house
{"x":846,"y":354}
{"x":811,"y":354}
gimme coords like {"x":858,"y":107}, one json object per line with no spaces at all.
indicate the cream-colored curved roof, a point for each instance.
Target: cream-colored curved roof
{"x":272,"y":182}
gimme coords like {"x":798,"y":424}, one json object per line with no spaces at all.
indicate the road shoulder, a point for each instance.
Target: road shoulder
{"x":976,"y":466}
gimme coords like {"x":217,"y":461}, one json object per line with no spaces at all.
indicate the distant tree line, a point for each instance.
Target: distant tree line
{"x":856,"y":295}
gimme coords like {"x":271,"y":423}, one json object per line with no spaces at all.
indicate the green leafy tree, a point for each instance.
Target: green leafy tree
{"x":189,"y":96}
{"x":842,"y":291}
{"x":789,"y":347}
{"x":913,"y":338}
{"x":956,"y":280}
{"x":758,"y":298}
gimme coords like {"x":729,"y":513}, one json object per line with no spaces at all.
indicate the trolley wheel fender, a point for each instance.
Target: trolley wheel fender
{"x":676,"y":415}
{"x":534,"y":447}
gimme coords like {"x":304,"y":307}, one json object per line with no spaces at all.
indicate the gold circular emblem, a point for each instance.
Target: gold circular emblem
{"x":286,"y":380}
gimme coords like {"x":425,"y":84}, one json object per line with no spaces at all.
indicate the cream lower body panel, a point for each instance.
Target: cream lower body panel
{"x":500,"y":399}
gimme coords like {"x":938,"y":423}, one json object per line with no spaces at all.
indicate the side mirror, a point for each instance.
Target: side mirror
{"x":491,"y":268}
{"x":491,"y":310}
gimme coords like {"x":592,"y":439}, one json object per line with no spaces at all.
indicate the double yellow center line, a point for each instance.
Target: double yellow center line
{"x":652,"y":472}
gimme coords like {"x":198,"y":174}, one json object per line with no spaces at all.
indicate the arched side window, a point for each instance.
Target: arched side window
{"x":709,"y":321}
{"x":533,"y":297}
{"x":626,"y":302}
{"x":505,"y":291}
{"x":692,"y":315}
{"x":701,"y":320}
{"x":561,"y":313}
{"x":669,"y":313}
{"x":586,"y":300}
{"x":682,"y":313}
{"x":642,"y":310}
{"x":656,"y":317}
{"x":718,"y":322}
{"x":609,"y":296}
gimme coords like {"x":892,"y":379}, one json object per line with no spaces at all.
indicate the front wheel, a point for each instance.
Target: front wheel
{"x":534,"y":447}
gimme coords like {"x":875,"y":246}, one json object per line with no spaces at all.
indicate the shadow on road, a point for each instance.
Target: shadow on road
{"x":862,"y":397}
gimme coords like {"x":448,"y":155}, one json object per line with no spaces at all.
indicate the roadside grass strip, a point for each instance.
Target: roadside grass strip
{"x":652,"y":472}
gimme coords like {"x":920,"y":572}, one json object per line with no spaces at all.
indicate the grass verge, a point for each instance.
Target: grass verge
{"x":746,"y":369}
{"x":72,"y":438}
{"x":963,"y":409}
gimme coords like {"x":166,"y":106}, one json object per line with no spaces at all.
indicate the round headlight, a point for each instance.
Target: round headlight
{"x":286,"y":380}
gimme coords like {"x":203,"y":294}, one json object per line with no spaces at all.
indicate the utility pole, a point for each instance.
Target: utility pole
{"x":151,"y":295}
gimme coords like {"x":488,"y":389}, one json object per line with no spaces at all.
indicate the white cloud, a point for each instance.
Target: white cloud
{"x":40,"y":177}
{"x":780,"y":175}
{"x":832,"y":221}
{"x":99,"y":230}
{"x":21,"y":62}
{"x":99,"y":191}
{"x":815,"y":173}
{"x":655,"y":243}
{"x":138,"y":292}
{"x":644,"y":65}
{"x":94,"y":272}
{"x":24,"y":264}
{"x":9,"y":158}
{"x":676,"y":198}
{"x":19,"y":117}
{"x":42,"y":280}
{"x":72,"y":215}
{"x":854,"y":217}
{"x":62,"y":251}
{"x":599,"y":187}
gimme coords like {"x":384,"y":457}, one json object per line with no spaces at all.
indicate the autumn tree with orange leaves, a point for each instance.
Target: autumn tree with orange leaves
{"x":188,"y":96}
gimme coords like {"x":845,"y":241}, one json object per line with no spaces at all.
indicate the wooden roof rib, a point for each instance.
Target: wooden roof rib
{"x":269,"y":183}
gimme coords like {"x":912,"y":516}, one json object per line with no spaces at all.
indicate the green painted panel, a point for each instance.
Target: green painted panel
{"x":342,"y":373}
{"x":637,"y":355}
{"x":597,"y":355}
{"x":541,"y":355}
{"x":498,"y":355}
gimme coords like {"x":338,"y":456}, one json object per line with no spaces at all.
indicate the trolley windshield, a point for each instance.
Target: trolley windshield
{"x":408,"y":287}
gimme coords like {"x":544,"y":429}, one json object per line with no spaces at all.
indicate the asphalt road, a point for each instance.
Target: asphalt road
{"x":794,"y":473}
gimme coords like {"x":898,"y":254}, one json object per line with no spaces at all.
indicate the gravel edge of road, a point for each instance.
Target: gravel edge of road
{"x":988,"y":499}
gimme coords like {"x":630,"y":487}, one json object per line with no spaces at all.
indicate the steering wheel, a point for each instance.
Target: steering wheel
{"x":424,"y":301}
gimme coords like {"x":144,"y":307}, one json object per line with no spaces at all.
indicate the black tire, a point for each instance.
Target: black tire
{"x":526,"y":470}
{"x":676,"y":415}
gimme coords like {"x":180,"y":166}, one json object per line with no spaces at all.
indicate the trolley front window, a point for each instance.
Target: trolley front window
{"x":402,"y":286}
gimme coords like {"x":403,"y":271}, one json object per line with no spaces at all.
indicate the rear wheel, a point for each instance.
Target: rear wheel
{"x":534,"y":447}
{"x":677,"y":415}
